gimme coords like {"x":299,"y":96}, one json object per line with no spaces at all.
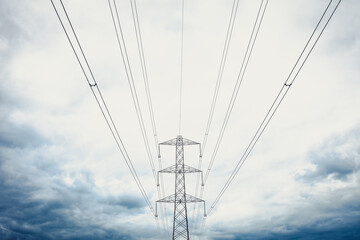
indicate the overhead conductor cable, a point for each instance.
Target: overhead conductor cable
{"x":102,"y":104}
{"x":196,"y":213}
{"x":122,"y":47}
{"x":275,"y":105}
{"x":181,"y":63}
{"x":244,"y":64}
{"x":149,"y":102}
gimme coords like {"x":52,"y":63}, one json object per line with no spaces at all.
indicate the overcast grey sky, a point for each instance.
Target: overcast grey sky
{"x":62,"y":176}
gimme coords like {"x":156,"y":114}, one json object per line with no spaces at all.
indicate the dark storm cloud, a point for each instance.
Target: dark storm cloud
{"x":33,"y":170}
{"x":22,"y":218}
{"x":337,"y":158}
{"x":128,"y":202}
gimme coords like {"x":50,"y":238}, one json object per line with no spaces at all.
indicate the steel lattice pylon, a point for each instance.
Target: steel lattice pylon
{"x":180,"y":198}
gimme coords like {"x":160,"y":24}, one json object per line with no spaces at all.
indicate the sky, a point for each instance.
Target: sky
{"x":63,"y":177}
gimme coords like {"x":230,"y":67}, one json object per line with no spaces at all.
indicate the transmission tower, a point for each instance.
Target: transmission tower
{"x":179,"y":198}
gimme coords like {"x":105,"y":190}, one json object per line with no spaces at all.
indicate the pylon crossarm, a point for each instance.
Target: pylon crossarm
{"x":187,"y":169}
{"x":191,"y":199}
{"x":185,"y":142}
{"x":171,"y":199}
{"x":189,"y":142}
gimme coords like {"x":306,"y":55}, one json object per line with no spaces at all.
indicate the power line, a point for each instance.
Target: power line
{"x":126,"y":62}
{"x":275,"y":105}
{"x":143,"y":68}
{"x":272,"y":110}
{"x":244,"y":64}
{"x":181,"y":62}
{"x":101,"y":103}
{"x":148,"y":94}
{"x":239,"y":80}
{"x":221,"y":70}
{"x":249,"y":49}
{"x":216,"y":91}
{"x":129,"y":76}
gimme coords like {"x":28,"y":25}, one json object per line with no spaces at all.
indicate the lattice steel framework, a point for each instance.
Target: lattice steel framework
{"x":180,"y":198}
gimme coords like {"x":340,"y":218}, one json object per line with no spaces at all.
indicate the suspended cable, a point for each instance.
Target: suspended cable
{"x":278,"y":100}
{"x":143,"y":68}
{"x":122,"y":47}
{"x":221,"y":70}
{"x":126,"y":62}
{"x":213,"y":103}
{"x":275,"y":105}
{"x":244,"y":64}
{"x":239,"y":80}
{"x":148,"y":95}
{"x":181,"y":62}
{"x":101,"y":103}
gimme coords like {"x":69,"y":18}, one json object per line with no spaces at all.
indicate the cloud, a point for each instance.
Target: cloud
{"x":45,"y":195}
{"x":8,"y":26}
{"x":128,"y":202}
{"x":23,"y":218}
{"x":322,"y":204}
{"x":344,"y":225}
{"x":11,"y":32}
{"x":42,"y":200}
{"x":316,"y":231}
{"x":72,"y":212}
{"x":14,"y":135}
{"x":47,"y":191}
{"x":338,"y":158}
